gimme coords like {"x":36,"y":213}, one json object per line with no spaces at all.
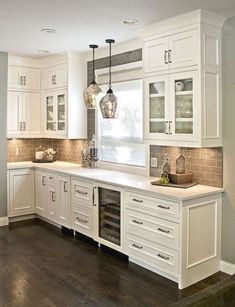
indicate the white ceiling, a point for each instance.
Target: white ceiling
{"x":82,"y":22}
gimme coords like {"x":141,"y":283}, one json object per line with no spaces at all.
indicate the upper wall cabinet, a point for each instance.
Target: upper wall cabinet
{"x":24,"y":78}
{"x":55,"y":77}
{"x":182,"y":77}
{"x":64,"y":110}
{"x":174,"y":51}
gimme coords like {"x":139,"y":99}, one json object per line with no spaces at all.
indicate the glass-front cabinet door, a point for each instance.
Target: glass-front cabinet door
{"x":61,"y":113}
{"x":156,"y":107}
{"x":50,"y":114}
{"x":184,"y":93}
{"x":56,"y":113}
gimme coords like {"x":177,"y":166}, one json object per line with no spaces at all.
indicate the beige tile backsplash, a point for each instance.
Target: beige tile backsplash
{"x":206,"y":164}
{"x":67,"y":150}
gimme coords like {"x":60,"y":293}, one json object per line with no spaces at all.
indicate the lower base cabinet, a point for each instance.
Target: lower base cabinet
{"x":176,"y":239}
{"x":21,"y":192}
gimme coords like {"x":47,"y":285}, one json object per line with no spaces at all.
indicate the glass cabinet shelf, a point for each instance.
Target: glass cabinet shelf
{"x":182,"y":93}
{"x":184,"y":120}
{"x":156,"y":96}
{"x":155,"y":120}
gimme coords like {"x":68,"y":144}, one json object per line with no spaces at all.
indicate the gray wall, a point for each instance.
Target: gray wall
{"x":228,"y":220}
{"x":3,"y":129}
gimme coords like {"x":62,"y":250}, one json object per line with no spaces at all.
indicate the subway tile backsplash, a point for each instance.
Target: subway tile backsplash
{"x":206,"y":164}
{"x":24,"y":149}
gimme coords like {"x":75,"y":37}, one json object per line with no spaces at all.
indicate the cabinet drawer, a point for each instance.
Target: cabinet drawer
{"x":82,"y":191}
{"x":152,"y":228}
{"x":152,"y":254}
{"x":152,"y":204}
{"x":51,"y":179}
{"x":82,"y":219}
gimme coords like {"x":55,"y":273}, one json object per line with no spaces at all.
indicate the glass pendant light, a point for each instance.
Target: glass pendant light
{"x":93,"y":89}
{"x":108,"y":104}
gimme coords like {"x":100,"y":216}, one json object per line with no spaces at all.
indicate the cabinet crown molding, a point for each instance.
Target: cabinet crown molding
{"x":195,"y":18}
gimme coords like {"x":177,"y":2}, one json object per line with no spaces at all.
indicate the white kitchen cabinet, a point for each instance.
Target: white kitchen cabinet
{"x":186,"y":49}
{"x":55,"y":114}
{"x":41,"y":193}
{"x":51,"y":202}
{"x":63,"y":200}
{"x":23,"y":114}
{"x":55,"y":77}
{"x":172,"y":108}
{"x":24,"y":78}
{"x":21,"y":192}
{"x":177,"y":239}
{"x":174,"y":51}
{"x":64,"y":110}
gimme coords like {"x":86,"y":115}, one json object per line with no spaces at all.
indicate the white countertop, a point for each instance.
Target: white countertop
{"x":142,"y":183}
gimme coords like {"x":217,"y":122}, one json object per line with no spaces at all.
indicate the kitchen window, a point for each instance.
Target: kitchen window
{"x":121,"y":139}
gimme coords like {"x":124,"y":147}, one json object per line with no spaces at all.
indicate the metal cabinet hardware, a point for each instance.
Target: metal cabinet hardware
{"x":20,"y":126}
{"x":65,"y":186}
{"x":137,"y":200}
{"x":81,"y":192}
{"x":166,"y":127}
{"x":24,"y":126}
{"x":163,"y":257}
{"x":164,"y":207}
{"x":169,"y":56}
{"x":137,"y":246}
{"x":93,"y":196}
{"x":53,"y":196}
{"x":137,"y":222}
{"x":81,"y":220}
{"x":170,"y":127}
{"x":163,"y":230}
{"x":53,"y":79}
{"x":21,"y":80}
{"x":54,"y":126}
{"x":43,"y":180}
{"x":51,"y":177}
{"x":24,"y":82}
{"x":165,"y":56}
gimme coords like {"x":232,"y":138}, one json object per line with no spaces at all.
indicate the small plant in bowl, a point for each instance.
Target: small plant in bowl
{"x":50,"y":152}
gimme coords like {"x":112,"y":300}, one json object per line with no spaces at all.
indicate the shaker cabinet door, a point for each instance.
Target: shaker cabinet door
{"x":31,"y":114}
{"x":14,"y":114}
{"x":31,"y":79}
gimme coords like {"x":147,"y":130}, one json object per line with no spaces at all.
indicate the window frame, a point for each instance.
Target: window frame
{"x":137,"y":170}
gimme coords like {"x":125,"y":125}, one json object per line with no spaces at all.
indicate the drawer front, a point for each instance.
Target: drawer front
{"x":51,"y":179}
{"x":154,"y":255}
{"x":82,"y":191}
{"x":152,"y":204}
{"x":152,"y":228}
{"x":82,"y":219}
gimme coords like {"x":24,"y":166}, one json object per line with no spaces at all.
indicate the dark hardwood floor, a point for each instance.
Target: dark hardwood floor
{"x":42,"y":266}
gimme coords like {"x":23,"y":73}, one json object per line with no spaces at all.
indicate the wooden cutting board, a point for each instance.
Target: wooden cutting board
{"x":173,"y":185}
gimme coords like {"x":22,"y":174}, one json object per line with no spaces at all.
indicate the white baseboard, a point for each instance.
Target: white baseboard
{"x":227,"y":267}
{"x":4,"y":221}
{"x":22,"y":218}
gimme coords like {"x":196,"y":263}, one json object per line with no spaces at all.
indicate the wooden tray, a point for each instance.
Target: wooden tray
{"x":173,"y":185}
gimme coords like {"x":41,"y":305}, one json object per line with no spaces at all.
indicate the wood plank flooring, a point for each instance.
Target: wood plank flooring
{"x":42,"y":266}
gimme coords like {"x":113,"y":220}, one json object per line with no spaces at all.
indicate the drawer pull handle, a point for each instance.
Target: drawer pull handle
{"x":137,"y":222}
{"x":164,"y":207}
{"x":137,"y":200}
{"x":163,"y":230}
{"x":81,"y":220}
{"x":163,"y":257}
{"x":137,"y":246}
{"x":51,"y":177}
{"x":65,"y":186}
{"x":81,"y":192}
{"x":43,"y":180}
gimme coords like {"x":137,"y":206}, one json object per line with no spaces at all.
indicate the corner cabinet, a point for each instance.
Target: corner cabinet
{"x":64,"y":110}
{"x":182,"y":80}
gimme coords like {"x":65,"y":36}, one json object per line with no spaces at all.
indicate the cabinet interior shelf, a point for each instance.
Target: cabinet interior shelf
{"x":182,"y":93}
{"x":156,"y":96}
{"x":157,"y":120}
{"x":184,"y":120}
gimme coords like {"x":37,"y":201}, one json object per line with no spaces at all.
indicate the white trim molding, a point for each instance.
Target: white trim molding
{"x":4,"y":221}
{"x":227,"y":267}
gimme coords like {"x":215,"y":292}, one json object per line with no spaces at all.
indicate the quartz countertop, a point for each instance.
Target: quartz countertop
{"x":137,"y":182}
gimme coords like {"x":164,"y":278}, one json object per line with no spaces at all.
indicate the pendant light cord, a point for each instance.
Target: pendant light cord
{"x":93,"y":68}
{"x":110,"y":63}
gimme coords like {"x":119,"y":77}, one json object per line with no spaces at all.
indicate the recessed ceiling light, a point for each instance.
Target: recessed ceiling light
{"x":129,"y":21}
{"x":48,"y":30}
{"x":43,"y":51}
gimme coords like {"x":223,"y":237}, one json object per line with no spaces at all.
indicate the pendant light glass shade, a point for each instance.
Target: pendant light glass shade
{"x":108,"y":104}
{"x":93,"y":89}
